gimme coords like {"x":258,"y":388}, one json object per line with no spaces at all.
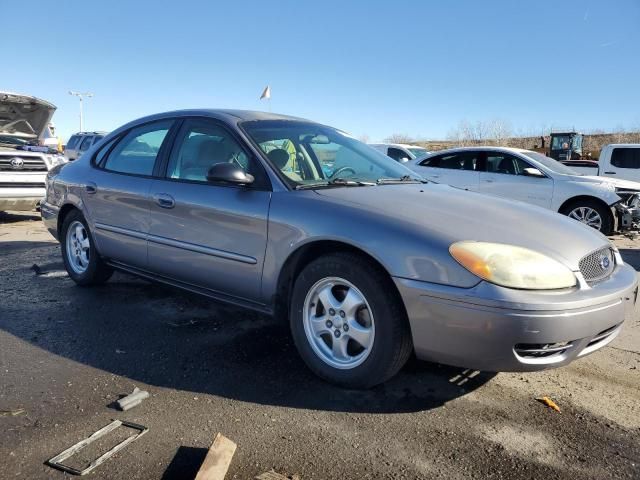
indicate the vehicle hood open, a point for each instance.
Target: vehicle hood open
{"x":446,"y":214}
{"x":24,"y":116}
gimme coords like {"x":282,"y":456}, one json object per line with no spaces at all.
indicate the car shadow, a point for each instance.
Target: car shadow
{"x":13,"y":217}
{"x":161,"y":336}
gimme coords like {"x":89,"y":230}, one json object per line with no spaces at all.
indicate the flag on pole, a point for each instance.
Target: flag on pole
{"x":266,"y":93}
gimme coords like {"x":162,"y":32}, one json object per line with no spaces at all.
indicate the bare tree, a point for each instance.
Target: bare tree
{"x":398,"y":138}
{"x":364,"y":138}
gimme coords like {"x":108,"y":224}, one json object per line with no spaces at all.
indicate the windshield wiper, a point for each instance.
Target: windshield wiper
{"x":338,"y":181}
{"x":403,"y":179}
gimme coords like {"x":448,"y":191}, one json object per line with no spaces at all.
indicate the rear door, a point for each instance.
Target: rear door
{"x":625,"y":164}
{"x":504,"y":176}
{"x":458,"y":169}
{"x":117,"y":192}
{"x":205,"y":234}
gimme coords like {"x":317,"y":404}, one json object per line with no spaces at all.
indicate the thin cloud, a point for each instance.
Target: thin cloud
{"x":607,"y":44}
{"x":585,"y":17}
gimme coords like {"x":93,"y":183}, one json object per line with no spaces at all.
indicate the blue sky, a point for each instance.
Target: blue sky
{"x":368,"y":67}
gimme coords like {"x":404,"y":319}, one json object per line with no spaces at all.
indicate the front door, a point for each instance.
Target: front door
{"x":116,"y":195}
{"x":504,"y":176}
{"x":209,"y":235}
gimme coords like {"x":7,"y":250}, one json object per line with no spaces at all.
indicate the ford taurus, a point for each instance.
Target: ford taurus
{"x":366,"y":260}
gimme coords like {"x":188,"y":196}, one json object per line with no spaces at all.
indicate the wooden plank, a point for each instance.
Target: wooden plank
{"x":271,"y":476}
{"x":218,"y":459}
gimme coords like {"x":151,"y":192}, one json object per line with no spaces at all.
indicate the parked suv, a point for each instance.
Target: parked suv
{"x":80,"y":143}
{"x":24,"y":164}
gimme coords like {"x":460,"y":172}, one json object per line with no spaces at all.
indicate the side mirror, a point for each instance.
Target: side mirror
{"x":532,"y":172}
{"x":226,"y":172}
{"x":403,"y":159}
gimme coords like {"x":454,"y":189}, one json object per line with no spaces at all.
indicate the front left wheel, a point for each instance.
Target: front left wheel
{"x":79,"y":254}
{"x":348,"y":322}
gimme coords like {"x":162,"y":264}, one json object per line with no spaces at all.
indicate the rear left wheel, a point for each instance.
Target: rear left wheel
{"x":79,"y":254}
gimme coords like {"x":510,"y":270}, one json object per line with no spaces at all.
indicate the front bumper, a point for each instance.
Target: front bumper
{"x":496,"y":329}
{"x":21,"y":200}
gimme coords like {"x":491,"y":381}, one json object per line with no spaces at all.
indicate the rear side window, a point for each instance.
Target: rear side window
{"x":136,"y":153}
{"x":73,"y":141}
{"x":455,"y":161}
{"x":96,"y":139}
{"x":625,"y":157}
{"x":86,"y":143}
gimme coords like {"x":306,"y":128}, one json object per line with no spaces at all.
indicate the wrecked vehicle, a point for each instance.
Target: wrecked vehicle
{"x":606,"y":204}
{"x":368,"y":261}
{"x":24,"y":164}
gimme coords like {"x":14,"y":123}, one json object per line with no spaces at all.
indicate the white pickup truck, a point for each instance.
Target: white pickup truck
{"x":24,"y":164}
{"x":617,"y":160}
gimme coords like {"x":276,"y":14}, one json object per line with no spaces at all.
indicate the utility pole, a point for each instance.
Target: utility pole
{"x":80,"y":96}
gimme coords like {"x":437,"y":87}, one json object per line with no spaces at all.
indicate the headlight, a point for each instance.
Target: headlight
{"x":54,"y":160}
{"x":510,"y":266}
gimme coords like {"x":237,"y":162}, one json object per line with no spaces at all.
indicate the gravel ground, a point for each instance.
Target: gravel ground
{"x":67,"y":353}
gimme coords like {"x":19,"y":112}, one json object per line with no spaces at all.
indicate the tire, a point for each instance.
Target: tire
{"x":364,"y":299}
{"x":84,"y":265}
{"x":582,"y":210}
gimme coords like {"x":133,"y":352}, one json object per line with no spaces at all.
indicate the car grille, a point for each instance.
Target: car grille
{"x":29,"y":164}
{"x":22,"y":185}
{"x":598,"y":265}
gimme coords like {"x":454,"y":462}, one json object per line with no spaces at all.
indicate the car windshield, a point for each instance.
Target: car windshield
{"x":550,"y":163}
{"x":418,"y":152}
{"x":312,"y":155}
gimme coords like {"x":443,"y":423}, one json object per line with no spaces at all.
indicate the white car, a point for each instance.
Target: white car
{"x":400,"y":152}
{"x":602,"y":203}
{"x":23,"y":163}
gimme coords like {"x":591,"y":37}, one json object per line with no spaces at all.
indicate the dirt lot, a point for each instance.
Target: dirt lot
{"x":67,"y":353}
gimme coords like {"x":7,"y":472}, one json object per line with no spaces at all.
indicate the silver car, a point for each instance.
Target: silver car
{"x":366,"y":260}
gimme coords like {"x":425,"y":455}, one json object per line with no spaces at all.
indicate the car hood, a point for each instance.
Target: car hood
{"x":616,"y":182}
{"x":445,"y":215}
{"x":24,"y":116}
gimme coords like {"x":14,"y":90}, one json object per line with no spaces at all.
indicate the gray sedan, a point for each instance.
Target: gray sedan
{"x":366,"y":260}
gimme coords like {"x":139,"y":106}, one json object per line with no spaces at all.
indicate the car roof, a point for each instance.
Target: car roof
{"x":478,"y":148}
{"x":404,"y":145}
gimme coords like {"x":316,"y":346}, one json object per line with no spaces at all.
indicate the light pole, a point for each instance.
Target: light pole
{"x":80,"y":96}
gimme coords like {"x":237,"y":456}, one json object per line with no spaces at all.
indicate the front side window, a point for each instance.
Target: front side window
{"x":625,"y":157}
{"x":397,"y":154}
{"x":137,"y":151}
{"x":200,"y":145}
{"x":311,"y":154}
{"x":561,"y":142}
{"x":497,"y":162}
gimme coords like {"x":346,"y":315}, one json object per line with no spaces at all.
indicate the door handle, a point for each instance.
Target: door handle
{"x":488,"y":180}
{"x":610,"y":173}
{"x":91,"y":187}
{"x":164,"y":200}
